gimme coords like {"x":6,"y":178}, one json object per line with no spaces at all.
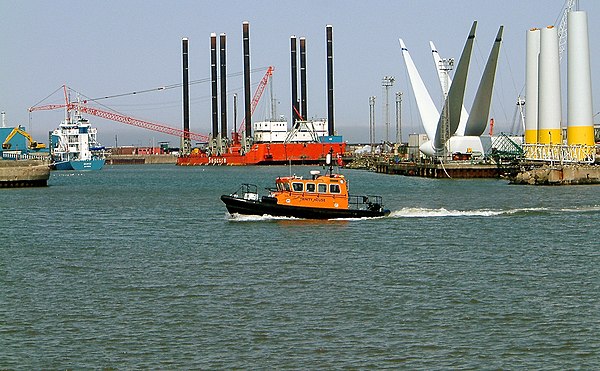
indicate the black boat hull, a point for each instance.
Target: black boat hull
{"x":255,"y":207}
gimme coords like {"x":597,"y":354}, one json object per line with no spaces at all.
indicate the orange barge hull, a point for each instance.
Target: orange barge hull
{"x":267,"y":154}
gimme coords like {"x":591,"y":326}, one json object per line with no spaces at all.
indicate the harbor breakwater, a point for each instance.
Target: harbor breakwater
{"x":558,"y":175}
{"x":24,"y":173}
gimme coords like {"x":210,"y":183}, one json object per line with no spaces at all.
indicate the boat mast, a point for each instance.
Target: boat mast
{"x":67,"y":104}
{"x":328,"y":161}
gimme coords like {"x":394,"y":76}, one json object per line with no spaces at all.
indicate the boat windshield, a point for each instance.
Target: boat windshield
{"x":298,"y":187}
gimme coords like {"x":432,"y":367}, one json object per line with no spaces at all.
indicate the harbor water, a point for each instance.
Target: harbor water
{"x":141,"y":267}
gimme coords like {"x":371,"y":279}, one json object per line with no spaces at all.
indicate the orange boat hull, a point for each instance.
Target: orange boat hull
{"x":267,"y":154}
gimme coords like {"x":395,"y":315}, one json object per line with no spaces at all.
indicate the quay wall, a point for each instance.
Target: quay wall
{"x":24,"y":173}
{"x":140,"y":159}
{"x":455,"y":169}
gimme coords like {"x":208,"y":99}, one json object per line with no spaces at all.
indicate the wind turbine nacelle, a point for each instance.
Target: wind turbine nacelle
{"x":466,"y":144}
{"x":427,"y":149}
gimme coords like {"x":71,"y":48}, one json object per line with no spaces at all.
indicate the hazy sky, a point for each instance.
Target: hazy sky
{"x":102,"y":48}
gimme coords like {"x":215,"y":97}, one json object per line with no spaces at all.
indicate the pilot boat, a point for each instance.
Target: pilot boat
{"x":318,"y":197}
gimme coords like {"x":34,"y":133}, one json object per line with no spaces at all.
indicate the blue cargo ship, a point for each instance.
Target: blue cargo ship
{"x":74,"y":146}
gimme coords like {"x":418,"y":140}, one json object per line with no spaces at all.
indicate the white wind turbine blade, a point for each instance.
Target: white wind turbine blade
{"x":445,"y":82}
{"x":456,"y":94}
{"x":429,"y":113}
{"x":483,"y":99}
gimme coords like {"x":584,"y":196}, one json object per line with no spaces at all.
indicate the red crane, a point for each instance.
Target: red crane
{"x":136,"y":122}
{"x":83,"y":108}
{"x":257,"y":95}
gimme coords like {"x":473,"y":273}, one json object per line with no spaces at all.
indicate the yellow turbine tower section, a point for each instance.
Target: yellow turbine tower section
{"x":580,"y":129}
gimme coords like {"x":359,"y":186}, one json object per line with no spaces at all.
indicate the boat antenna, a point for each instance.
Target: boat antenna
{"x":328,"y":161}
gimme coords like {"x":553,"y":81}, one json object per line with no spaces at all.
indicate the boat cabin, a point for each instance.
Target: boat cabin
{"x":324,"y":191}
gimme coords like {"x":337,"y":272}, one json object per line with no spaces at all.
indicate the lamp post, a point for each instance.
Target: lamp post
{"x":398,"y":118}
{"x":387,"y":82}
{"x":372,"y":123}
{"x":446,"y":65}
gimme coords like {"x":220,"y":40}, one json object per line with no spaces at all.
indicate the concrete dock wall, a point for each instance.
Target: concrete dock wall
{"x":455,"y":169}
{"x":140,"y":159}
{"x":24,"y":173}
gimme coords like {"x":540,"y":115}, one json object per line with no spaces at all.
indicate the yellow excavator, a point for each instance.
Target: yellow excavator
{"x":32,"y":143}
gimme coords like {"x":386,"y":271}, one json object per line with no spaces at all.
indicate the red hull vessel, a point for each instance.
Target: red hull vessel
{"x":267,"y":154}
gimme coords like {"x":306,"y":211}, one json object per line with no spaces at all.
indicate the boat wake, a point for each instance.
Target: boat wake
{"x":256,"y":218}
{"x":594,"y":208}
{"x":421,"y":212}
{"x":418,"y":212}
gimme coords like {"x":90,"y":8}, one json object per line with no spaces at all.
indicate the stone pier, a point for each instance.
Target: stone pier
{"x":24,"y":173}
{"x":559,"y":175}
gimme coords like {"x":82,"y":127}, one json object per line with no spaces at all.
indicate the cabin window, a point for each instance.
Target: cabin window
{"x":286,"y":186}
{"x":334,"y":188}
{"x":310,"y":187}
{"x":279,"y":186}
{"x":298,"y":187}
{"x":322,"y":188}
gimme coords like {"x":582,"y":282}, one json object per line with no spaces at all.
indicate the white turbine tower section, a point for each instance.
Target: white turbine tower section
{"x":445,"y":82}
{"x":549,"y":107}
{"x":531,"y":88}
{"x":427,"y":110}
{"x":580,"y":128}
{"x":480,"y":111}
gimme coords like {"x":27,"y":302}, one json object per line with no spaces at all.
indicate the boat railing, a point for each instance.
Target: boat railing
{"x":247,"y":191}
{"x":367,"y":202}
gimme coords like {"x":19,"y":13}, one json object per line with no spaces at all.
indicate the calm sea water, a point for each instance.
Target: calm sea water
{"x":141,"y":267}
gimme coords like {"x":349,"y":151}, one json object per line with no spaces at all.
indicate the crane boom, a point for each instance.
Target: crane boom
{"x":47,"y":107}
{"x":135,"y":122}
{"x":257,"y":94}
{"x":562,"y":28}
{"x":113,"y":116}
{"x":122,"y":119}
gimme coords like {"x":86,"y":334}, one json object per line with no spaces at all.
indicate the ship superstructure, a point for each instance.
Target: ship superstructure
{"x":74,"y":145}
